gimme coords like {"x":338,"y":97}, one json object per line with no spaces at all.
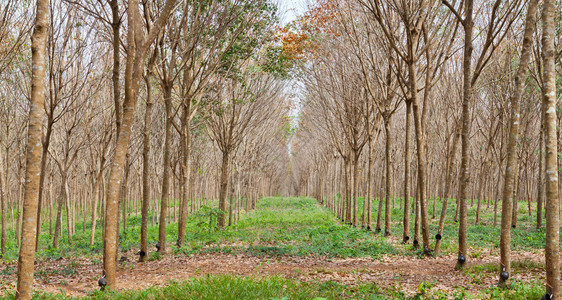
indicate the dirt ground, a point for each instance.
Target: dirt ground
{"x":79,"y":277}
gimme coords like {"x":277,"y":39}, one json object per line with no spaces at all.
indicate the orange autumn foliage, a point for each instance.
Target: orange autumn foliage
{"x":300,"y":39}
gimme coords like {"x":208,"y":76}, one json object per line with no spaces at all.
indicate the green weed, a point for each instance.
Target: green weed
{"x":232,"y":287}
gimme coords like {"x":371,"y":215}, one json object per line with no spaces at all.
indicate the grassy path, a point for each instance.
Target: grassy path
{"x":292,"y":226}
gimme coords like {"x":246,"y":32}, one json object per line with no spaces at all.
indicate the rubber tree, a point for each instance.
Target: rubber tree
{"x":236,"y":105}
{"x":218,"y":36}
{"x":98,"y":165}
{"x":143,"y":254}
{"x":65,"y":161}
{"x":113,"y":19}
{"x":451,"y":159}
{"x":377,"y":67}
{"x":372,"y":141}
{"x":64,"y":82}
{"x":420,"y":34}
{"x":502,"y":16}
{"x":323,"y":104}
{"x":4,"y":216}
{"x":342,"y":91}
{"x":540,"y":181}
{"x":511,"y":165}
{"x":138,"y":43}
{"x":552,"y":204}
{"x":168,"y":74}
{"x":33,"y":156}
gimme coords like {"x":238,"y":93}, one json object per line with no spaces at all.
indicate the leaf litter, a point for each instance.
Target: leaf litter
{"x":78,"y":277}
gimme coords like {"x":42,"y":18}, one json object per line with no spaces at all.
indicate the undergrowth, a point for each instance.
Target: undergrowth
{"x":299,"y":227}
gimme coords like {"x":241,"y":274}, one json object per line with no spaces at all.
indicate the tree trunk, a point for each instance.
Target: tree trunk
{"x":388,"y":160}
{"x":85,"y":195}
{"x":421,"y":155}
{"x":515,"y":196}
{"x":370,"y":184}
{"x":33,"y":156}
{"x":552,"y":205}
{"x":481,"y":186}
{"x":540,"y":192}
{"x":496,"y":202}
{"x":69,"y":212}
{"x":355,"y":186}
{"x":348,"y":179}
{"x":416,"y":242}
{"x":511,"y":164}
{"x":133,"y":73}
{"x":379,"y":212}
{"x":95,"y":208}
{"x":223,"y":188}
{"x":61,"y":202}
{"x":367,"y":196}
{"x":465,"y":143}
{"x":482,"y":189}
{"x":4,"y":207}
{"x":406,"y":233}
{"x":165,"y":169}
{"x":18,"y":219}
{"x":45,"y":151}
{"x":231,"y":199}
{"x":123,"y":195}
{"x":50,"y":204}
{"x":146,"y":161}
{"x":116,"y":28}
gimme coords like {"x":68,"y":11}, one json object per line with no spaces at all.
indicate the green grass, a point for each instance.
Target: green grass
{"x":232,"y":287}
{"x":278,"y":288}
{"x":278,"y":226}
{"x":290,"y":226}
{"x":294,"y":226}
{"x":482,"y":236}
{"x":80,"y":243}
{"x":516,"y":290}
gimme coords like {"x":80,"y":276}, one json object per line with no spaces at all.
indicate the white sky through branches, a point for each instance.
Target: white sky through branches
{"x":290,"y":9}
